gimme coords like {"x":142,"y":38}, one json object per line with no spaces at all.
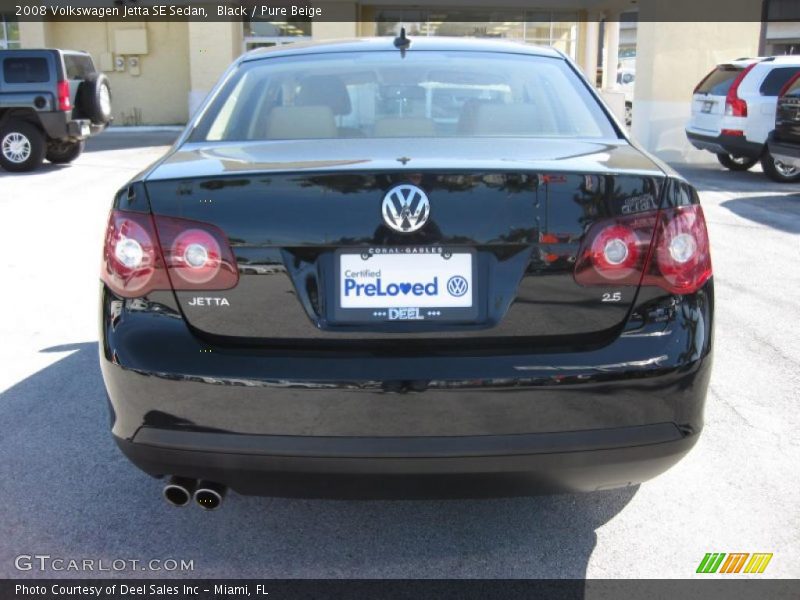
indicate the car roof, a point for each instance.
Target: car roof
{"x":789,"y":59}
{"x":378,"y":44}
{"x":34,"y":50}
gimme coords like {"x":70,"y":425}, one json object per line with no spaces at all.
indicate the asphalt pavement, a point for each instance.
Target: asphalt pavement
{"x":67,"y":492}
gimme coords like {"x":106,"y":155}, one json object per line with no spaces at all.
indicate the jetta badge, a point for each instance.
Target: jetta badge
{"x":406,"y":208}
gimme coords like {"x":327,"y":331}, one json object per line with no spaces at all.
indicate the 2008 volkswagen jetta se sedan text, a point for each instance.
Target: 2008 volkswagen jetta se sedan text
{"x":391,"y":258}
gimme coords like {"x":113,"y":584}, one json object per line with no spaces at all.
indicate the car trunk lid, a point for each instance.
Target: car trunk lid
{"x":296,"y":212}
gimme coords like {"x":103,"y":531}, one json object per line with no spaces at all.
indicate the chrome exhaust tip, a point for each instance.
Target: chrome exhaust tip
{"x":179,"y":490}
{"x":209,"y":495}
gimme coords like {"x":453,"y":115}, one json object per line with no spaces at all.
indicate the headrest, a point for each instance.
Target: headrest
{"x":301,"y":123}
{"x":506,"y":119}
{"x":327,"y":90}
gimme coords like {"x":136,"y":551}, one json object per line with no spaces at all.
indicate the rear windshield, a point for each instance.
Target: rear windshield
{"x":383,"y":95}
{"x":78,"y":66}
{"x":719,"y":81}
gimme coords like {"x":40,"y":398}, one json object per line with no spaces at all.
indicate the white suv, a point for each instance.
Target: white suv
{"x":733,"y":112}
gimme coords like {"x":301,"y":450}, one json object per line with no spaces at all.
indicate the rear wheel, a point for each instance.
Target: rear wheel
{"x":778,"y":171}
{"x":736,"y":163}
{"x":64,"y":152}
{"x":22,"y":146}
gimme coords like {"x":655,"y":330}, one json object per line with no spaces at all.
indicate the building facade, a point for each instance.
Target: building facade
{"x":161,"y":71}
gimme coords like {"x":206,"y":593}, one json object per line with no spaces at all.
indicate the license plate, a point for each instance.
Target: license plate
{"x":708,"y":105}
{"x":406,"y":284}
{"x":85,"y":130}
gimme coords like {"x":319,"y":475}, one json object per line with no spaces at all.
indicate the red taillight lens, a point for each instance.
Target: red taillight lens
{"x":735,"y":106}
{"x":132,"y":264}
{"x":62,"y":89}
{"x":614,"y":251}
{"x":198,"y":255}
{"x":190,"y":255}
{"x":617,"y":252}
{"x":681,"y":261}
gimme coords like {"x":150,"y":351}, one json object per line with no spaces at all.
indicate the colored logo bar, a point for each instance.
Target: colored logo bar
{"x":732,"y":563}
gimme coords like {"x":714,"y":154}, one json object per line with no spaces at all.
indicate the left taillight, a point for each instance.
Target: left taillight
{"x":734,"y":105}
{"x":143,"y":253}
{"x":62,"y":89}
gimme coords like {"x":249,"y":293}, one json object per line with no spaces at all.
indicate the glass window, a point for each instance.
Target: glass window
{"x":425,"y":94}
{"x":260,"y":33}
{"x":776,"y":79}
{"x":9,"y":32}
{"x":794,"y":88}
{"x":25,"y":70}
{"x":557,"y":29}
{"x":719,"y":81}
{"x":78,"y":66}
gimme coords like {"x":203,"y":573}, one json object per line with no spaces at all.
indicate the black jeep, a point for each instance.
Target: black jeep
{"x":50,"y":102}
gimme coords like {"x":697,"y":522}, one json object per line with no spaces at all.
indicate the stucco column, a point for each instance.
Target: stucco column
{"x":610,"y":53}
{"x":591,"y":41}
{"x":212,"y":48}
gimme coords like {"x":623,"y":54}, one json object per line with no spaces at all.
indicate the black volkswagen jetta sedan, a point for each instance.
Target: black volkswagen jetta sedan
{"x":381,"y":259}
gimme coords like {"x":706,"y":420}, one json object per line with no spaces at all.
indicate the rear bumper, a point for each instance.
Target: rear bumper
{"x":735,"y":145}
{"x":788,"y":154}
{"x":266,"y":422}
{"x":296,"y":465}
{"x":59,"y":126}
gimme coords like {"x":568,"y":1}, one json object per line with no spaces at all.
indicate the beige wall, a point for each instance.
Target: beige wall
{"x":33,"y":34}
{"x":334,"y":30}
{"x":158,"y":94}
{"x":212,"y":48}
{"x":671,"y":59}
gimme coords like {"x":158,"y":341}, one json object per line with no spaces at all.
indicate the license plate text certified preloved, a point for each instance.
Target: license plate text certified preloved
{"x":383,"y":281}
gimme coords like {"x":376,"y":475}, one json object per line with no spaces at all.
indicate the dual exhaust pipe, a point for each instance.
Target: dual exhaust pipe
{"x":180,"y":491}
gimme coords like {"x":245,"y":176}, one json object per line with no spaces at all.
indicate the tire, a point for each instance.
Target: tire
{"x":93,"y":99}
{"x":778,"y":171}
{"x":22,"y":146}
{"x":64,"y":152}
{"x":736,"y":163}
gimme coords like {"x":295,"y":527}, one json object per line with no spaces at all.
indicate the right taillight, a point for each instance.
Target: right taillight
{"x":681,"y":261}
{"x":62,"y":89}
{"x":666,"y":248}
{"x":734,"y":105}
{"x":143,"y":253}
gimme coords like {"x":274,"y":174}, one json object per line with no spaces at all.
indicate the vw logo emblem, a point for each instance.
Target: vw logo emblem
{"x":405,"y":208}
{"x":457,"y":286}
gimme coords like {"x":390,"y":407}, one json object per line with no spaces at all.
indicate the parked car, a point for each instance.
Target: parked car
{"x":626,"y":82}
{"x":500,"y":283}
{"x":50,"y":102}
{"x":784,"y":141}
{"x":733,"y":111}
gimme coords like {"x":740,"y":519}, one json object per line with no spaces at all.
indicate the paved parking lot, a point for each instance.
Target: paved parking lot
{"x":65,"y":490}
